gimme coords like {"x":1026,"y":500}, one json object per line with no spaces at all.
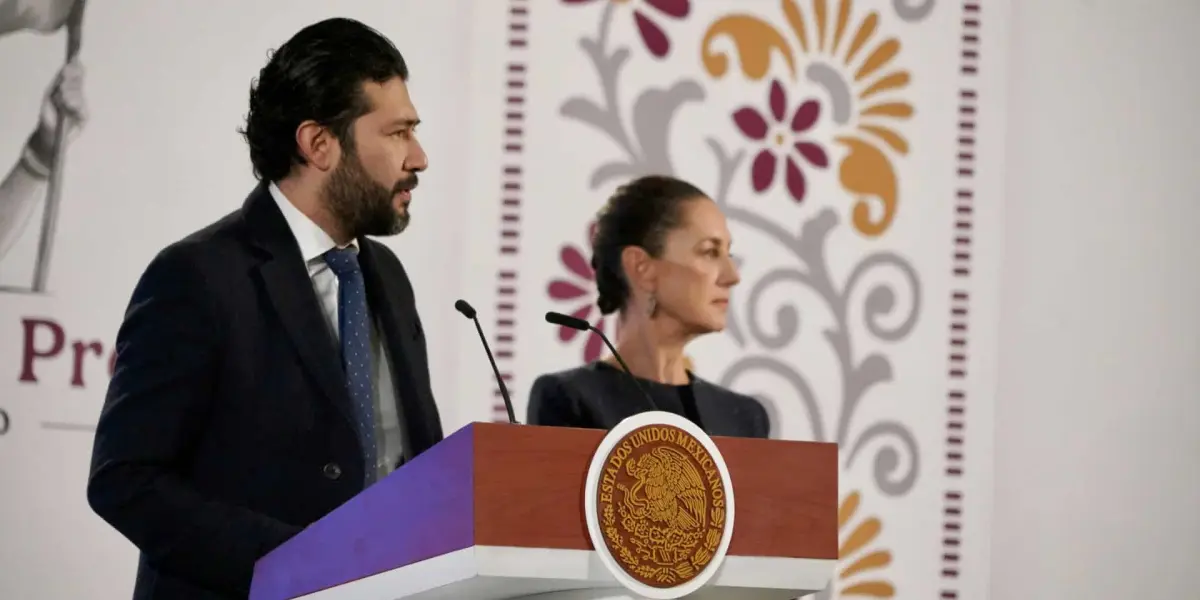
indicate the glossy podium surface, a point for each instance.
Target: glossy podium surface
{"x":496,"y":511}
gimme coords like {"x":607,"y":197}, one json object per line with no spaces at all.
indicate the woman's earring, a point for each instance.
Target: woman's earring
{"x":652,"y":302}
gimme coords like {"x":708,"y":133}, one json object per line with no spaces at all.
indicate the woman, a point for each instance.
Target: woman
{"x":661,"y":256}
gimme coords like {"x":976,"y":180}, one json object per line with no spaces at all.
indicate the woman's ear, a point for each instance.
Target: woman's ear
{"x":639,"y":268}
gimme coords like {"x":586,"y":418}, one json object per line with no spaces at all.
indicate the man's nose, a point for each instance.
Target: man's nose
{"x":417,"y":159}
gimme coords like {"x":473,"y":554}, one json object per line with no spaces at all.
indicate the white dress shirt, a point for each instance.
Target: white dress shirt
{"x":314,"y":243}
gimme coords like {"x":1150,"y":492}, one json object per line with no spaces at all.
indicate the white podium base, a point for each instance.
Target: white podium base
{"x":500,"y":573}
{"x":703,"y":594}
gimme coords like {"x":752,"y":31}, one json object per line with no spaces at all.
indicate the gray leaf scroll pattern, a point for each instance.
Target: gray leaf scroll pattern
{"x":857,"y":375}
{"x":645,"y":150}
{"x":913,"y":10}
{"x":644,"y":146}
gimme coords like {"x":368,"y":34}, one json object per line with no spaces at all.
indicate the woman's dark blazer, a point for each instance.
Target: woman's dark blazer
{"x":599,"y":397}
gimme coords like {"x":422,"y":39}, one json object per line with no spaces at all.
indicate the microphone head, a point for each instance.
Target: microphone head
{"x":466,"y":309}
{"x":567,"y":321}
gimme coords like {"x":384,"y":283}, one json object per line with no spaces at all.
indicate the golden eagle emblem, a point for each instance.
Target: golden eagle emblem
{"x":668,"y":490}
{"x":662,"y":505}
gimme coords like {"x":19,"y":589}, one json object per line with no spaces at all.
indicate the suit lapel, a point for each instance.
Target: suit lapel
{"x":401,"y":335}
{"x":287,"y":284}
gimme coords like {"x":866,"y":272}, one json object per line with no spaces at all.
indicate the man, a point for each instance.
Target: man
{"x":272,"y":365}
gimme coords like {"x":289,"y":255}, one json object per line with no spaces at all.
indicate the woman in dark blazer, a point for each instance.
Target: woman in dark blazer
{"x":661,"y":256}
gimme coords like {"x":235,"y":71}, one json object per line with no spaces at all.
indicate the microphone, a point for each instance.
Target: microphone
{"x":469,"y":312}
{"x":581,"y":325}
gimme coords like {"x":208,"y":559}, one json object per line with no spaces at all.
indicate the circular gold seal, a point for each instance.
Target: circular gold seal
{"x":661,"y":505}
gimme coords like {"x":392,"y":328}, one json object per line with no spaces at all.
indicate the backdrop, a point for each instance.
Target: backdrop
{"x":846,"y":141}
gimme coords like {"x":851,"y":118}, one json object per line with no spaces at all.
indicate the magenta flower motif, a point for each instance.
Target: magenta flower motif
{"x":755,"y":126}
{"x":579,"y":290}
{"x":652,"y":35}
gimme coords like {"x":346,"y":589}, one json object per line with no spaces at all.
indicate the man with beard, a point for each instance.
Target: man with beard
{"x":272,"y":365}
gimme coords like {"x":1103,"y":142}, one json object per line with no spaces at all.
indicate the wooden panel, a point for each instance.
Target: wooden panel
{"x":786,"y":496}
{"x":529,"y":491}
{"x":529,"y":485}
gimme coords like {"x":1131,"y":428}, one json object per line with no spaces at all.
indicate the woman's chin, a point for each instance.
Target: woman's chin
{"x":713,"y":324}
{"x":718,"y":318}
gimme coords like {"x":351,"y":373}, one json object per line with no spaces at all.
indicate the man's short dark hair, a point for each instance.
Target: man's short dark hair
{"x":318,"y":74}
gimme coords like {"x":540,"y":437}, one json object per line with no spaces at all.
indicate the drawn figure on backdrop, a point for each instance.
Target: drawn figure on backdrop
{"x":272,"y":365}
{"x":34,"y":178}
{"x":661,"y":258}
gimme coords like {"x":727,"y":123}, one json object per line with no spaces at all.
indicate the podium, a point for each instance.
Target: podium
{"x":498,"y":511}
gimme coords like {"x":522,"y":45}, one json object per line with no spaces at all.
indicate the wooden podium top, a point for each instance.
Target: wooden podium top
{"x":522,"y":486}
{"x":530,"y":484}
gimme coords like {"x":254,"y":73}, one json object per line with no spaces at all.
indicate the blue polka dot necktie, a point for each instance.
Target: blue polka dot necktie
{"x":354,"y":328}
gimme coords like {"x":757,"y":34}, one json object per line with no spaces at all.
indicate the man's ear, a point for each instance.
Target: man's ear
{"x":317,"y":145}
{"x":640,"y":269}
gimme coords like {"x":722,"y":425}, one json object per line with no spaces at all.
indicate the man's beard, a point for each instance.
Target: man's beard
{"x":360,"y":205}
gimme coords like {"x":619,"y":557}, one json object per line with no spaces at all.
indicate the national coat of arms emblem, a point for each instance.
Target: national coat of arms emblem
{"x":659,"y":504}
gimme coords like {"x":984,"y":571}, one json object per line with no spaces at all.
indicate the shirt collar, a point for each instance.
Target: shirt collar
{"x":313,"y":240}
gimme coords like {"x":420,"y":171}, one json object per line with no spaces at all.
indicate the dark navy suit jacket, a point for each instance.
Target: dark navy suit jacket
{"x":600,"y":396}
{"x":227,"y":425}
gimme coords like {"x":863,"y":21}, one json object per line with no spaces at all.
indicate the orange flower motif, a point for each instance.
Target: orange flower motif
{"x":860,"y":559}
{"x":841,"y":54}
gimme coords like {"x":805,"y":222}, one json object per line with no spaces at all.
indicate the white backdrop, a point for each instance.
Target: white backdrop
{"x":873,"y":331}
{"x":166,"y":88}
{"x":1098,"y":424}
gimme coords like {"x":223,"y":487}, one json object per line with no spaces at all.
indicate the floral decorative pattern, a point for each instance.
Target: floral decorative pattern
{"x":654,"y":38}
{"x":857,"y":75}
{"x":857,"y":557}
{"x":579,"y":290}
{"x":845,"y":305}
{"x":754,"y":126}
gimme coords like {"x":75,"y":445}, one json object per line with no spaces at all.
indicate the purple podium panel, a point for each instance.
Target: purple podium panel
{"x":422,"y":510}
